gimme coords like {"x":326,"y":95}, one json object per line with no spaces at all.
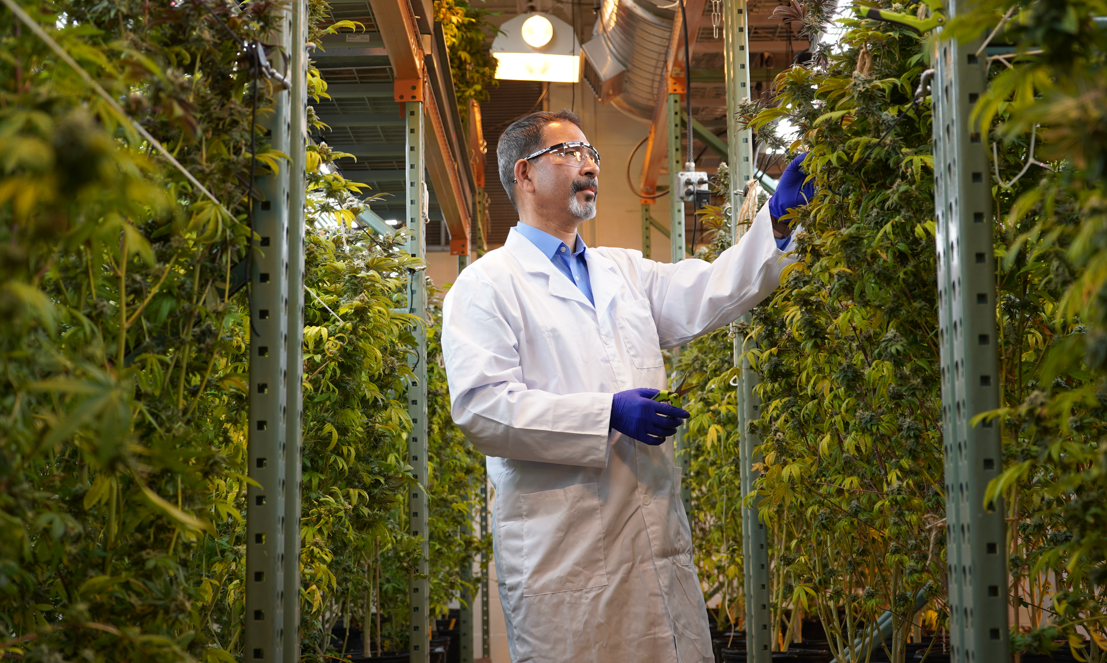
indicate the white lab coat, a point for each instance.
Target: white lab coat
{"x":592,"y":547}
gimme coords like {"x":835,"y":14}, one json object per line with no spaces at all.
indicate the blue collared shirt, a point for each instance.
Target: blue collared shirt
{"x":570,"y":263}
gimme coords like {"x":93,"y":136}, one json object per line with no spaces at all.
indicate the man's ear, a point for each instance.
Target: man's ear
{"x":523,"y":176}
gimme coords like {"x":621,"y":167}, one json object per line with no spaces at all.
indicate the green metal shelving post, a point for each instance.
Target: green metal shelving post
{"x":676,"y":253}
{"x":465,"y":617}
{"x":485,"y":637}
{"x":676,"y":205}
{"x":293,"y":456}
{"x":755,"y":551}
{"x":266,"y":444}
{"x":975,"y":533}
{"x":646,"y":231}
{"x":417,"y":392}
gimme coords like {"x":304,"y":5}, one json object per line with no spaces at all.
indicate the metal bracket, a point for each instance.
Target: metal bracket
{"x":677,"y":84}
{"x":406,"y":90}
{"x":459,"y":246}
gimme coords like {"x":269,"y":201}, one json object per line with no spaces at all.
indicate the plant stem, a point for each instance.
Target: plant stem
{"x":122,"y":303}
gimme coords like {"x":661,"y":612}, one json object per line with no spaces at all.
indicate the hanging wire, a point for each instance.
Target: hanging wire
{"x":54,"y":46}
{"x":630,"y":182}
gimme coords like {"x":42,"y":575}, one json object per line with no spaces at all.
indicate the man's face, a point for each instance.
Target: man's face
{"x":565,"y":187}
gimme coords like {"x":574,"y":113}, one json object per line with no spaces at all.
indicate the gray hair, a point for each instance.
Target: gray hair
{"x":524,"y":137}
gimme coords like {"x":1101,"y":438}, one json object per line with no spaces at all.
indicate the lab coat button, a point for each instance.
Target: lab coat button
{"x":646,"y":499}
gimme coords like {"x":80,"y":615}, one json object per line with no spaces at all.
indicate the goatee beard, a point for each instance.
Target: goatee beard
{"x":583,"y":211}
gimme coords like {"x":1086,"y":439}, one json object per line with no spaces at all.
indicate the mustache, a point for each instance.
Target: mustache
{"x":586,"y":183}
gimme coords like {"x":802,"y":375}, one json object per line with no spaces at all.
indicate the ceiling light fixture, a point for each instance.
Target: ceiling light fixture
{"x":537,"y":31}
{"x":537,"y":47}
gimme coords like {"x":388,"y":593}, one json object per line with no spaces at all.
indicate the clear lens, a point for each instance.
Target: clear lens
{"x":575,"y":155}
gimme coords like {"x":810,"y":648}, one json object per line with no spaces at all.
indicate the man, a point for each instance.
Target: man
{"x":553,"y":352}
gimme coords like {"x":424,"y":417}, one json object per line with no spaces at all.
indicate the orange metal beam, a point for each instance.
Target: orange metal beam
{"x":477,"y":146}
{"x":400,"y":34}
{"x":446,"y":178}
{"x":656,"y":146}
{"x":399,"y":29}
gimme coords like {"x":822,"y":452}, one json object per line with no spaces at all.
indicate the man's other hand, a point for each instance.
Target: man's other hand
{"x":635,"y":415}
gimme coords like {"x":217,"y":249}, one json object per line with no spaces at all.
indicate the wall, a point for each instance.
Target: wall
{"x":442,"y":267}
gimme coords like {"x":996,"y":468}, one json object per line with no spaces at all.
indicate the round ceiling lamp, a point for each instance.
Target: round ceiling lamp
{"x":537,"y":31}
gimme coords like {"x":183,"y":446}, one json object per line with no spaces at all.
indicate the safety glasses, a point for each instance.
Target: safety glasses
{"x":569,"y":154}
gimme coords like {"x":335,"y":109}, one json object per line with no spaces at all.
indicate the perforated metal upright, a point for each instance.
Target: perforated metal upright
{"x":676,"y":254}
{"x":297,"y":153}
{"x":417,"y":392}
{"x":267,"y":441}
{"x":755,"y":551}
{"x":485,"y":635}
{"x":975,"y":533}
{"x":676,"y":205}
{"x":465,"y":616}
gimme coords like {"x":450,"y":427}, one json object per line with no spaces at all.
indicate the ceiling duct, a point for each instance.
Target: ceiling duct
{"x":625,"y":61}
{"x":602,"y":72}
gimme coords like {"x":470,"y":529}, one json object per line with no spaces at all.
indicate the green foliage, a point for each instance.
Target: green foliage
{"x":851,"y":476}
{"x":456,"y":477}
{"x":1046,"y":105}
{"x":355,"y":425}
{"x":467,"y":30}
{"x":123,"y":435}
{"x":851,"y":412}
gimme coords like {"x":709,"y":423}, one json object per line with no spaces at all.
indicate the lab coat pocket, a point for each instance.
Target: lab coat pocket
{"x":562,"y":540}
{"x":680,"y":536}
{"x":639,"y":334}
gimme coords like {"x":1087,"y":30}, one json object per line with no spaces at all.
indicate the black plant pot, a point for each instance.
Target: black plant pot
{"x":733,"y":656}
{"x":386,"y":657}
{"x":721,"y":641}
{"x":813,"y":631}
{"x":355,"y":642}
{"x":935,"y":655}
{"x":800,"y":655}
{"x":806,"y":652}
{"x":438,"y":648}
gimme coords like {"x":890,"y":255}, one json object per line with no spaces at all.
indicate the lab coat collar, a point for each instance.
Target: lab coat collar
{"x":535,"y":262}
{"x":546,"y":242}
{"x":602,"y":272}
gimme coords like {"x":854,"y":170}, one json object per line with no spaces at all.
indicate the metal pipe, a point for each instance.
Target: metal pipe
{"x":975,"y":532}
{"x":293,"y":456}
{"x":267,"y":437}
{"x":884,"y":625}
{"x":415,"y":198}
{"x":755,"y":539}
{"x":676,"y":254}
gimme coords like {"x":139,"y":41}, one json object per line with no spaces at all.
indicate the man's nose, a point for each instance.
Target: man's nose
{"x":589,"y":167}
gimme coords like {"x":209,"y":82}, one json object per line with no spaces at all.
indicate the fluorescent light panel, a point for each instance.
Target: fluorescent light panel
{"x":538,"y":67}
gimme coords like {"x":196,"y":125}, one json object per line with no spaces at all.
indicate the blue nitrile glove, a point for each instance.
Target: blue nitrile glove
{"x":791,"y":192}
{"x":633,"y":414}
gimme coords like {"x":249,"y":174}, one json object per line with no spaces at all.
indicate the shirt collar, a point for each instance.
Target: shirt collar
{"x":547,"y":243}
